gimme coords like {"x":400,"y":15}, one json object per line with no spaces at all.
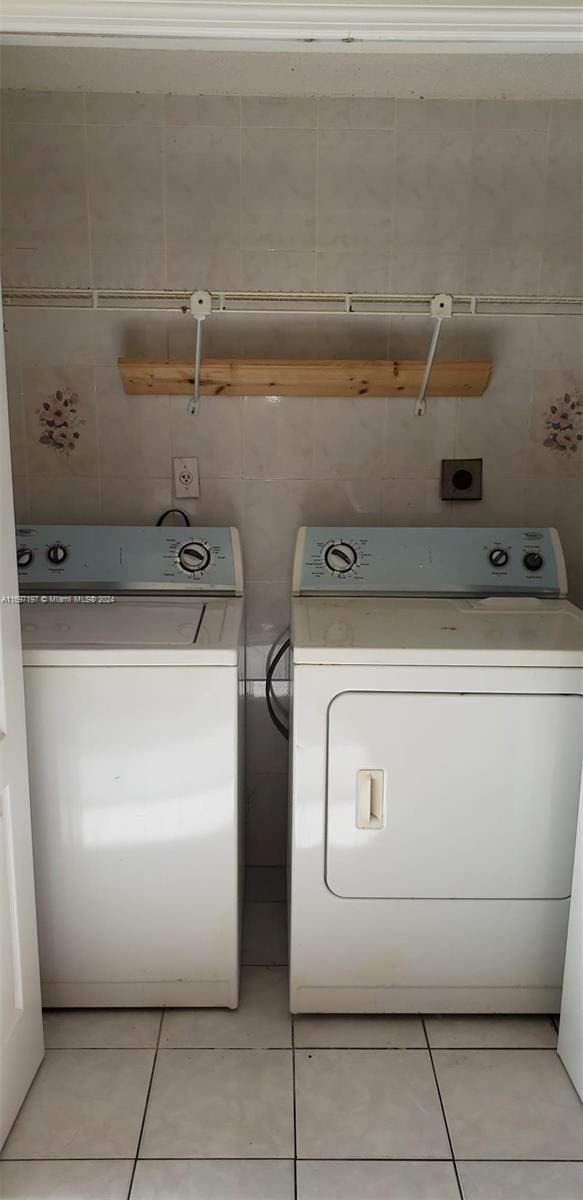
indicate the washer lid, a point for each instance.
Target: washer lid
{"x":370,"y":631}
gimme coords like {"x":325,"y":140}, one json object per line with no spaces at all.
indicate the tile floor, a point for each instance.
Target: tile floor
{"x":250,"y":1105}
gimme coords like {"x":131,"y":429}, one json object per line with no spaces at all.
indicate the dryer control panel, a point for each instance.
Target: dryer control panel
{"x":128,"y":558}
{"x":339,"y":561}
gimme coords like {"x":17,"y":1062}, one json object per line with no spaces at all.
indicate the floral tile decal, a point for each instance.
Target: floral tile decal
{"x":60,"y":421}
{"x":564,"y":423}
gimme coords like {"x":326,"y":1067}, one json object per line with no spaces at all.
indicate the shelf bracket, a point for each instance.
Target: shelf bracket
{"x":441,"y":307}
{"x":200,"y":307}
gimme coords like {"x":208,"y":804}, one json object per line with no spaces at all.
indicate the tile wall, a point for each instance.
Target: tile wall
{"x":335,"y":193}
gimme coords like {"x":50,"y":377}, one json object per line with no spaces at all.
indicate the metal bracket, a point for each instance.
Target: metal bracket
{"x":441,"y":307}
{"x":200,"y":307}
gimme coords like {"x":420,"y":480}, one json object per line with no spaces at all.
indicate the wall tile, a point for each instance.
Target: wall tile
{"x":40,"y":385}
{"x":342,"y":502}
{"x":267,"y":749}
{"x":429,"y":211}
{"x":124,"y":108}
{"x":43,"y":108}
{"x":503,"y":272}
{"x":562,"y":269}
{"x":279,"y":112}
{"x":556,"y":344}
{"x":278,"y":437}
{"x":414,"y":502}
{"x":133,"y":431}
{"x":51,"y":337}
{"x":567,"y":115}
{"x":270,"y":270}
{"x":16,"y":421}
{"x":131,"y":335}
{"x":427,"y":271}
{"x":502,"y":504}
{"x":356,"y":112}
{"x":316,"y":337}
{"x":508,"y":189}
{"x":495,"y":426}
{"x":338,"y":271}
{"x":134,"y":501}
{"x":434,"y":115}
{"x":222,"y":337}
{"x":513,"y":114}
{"x":214,"y":435}
{"x":268,"y":228}
{"x":203,"y":110}
{"x":414,"y":446}
{"x":202,"y":207}
{"x":271,"y":520}
{"x":355,"y":189}
{"x":348,"y":437}
{"x":563,"y":459}
{"x":127,"y":242}
{"x":75,"y":501}
{"x":509,"y":342}
{"x":278,"y":189}
{"x":563,"y":215}
{"x":268,"y":614}
{"x":355,"y":228}
{"x":266,"y":820}
{"x":45,"y":230}
{"x":222,"y":502}
{"x":21,"y":504}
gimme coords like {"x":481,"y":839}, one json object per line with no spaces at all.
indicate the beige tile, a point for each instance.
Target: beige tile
{"x":268,"y":614}
{"x":414,"y":446}
{"x":214,"y":435}
{"x":264,"y":935}
{"x":127,"y":232}
{"x":495,"y":426}
{"x":342,"y":502}
{"x":355,"y":228}
{"x":278,"y":271}
{"x":428,"y":211}
{"x":365,"y":1032}
{"x":507,"y":166}
{"x":556,"y":452}
{"x":508,"y":344}
{"x":74,"y":501}
{"x":16,"y":421}
{"x":338,"y":271}
{"x":65,"y":1180}
{"x":222,"y":1103}
{"x":521,"y":1181}
{"x":221,"y":338}
{"x":51,"y":337}
{"x":45,"y":228}
{"x":269,"y":227}
{"x":133,"y":431}
{"x":262,"y":1020}
{"x":513,"y":114}
{"x":272,"y":517}
{"x":21,"y":502}
{"x":278,"y":437}
{"x":355,"y":170}
{"x":557,"y":344}
{"x":491,"y":1032}
{"x":348,"y":437}
{"x":509,"y":1104}
{"x":284,"y":112}
{"x":124,"y":108}
{"x":83,"y":1104}
{"x":134,"y":501}
{"x":221,"y":502}
{"x":502,"y":271}
{"x":415,"y":502}
{"x":356,"y":112}
{"x":502,"y":503}
{"x":59,"y":404}
{"x":96,"y":1028}
{"x":562,"y":269}
{"x":426,"y":271}
{"x":567,"y":115}
{"x":266,"y":819}
{"x":434,"y":115}
{"x":376,"y":1181}
{"x":278,"y":189}
{"x":226,"y":1180}
{"x":43,"y":108}
{"x":202,"y":206}
{"x":203,"y":110}
{"x":368,"y":1104}
{"x":265,"y":885}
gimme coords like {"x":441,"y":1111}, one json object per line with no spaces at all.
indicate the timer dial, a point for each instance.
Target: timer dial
{"x":533,"y":561}
{"x":499,"y":557}
{"x":340,"y":557}
{"x":24,"y":557}
{"x":57,"y":554}
{"x":194,"y":557}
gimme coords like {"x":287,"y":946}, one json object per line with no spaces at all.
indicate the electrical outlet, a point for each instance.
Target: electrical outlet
{"x":186,"y":481}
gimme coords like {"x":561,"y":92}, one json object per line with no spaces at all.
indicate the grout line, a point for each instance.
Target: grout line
{"x":454,"y":1163}
{"x":141,"y":1134}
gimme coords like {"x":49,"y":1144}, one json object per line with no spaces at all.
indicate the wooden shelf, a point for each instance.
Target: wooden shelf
{"x":286,"y":377}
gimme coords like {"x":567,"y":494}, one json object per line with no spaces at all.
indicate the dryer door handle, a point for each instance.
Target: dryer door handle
{"x":370,"y":788}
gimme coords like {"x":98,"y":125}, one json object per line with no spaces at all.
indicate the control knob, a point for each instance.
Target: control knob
{"x":24,"y":557}
{"x":498,"y":557}
{"x":57,"y":554}
{"x":533,"y":561}
{"x":340,"y":557}
{"x":194,"y":556}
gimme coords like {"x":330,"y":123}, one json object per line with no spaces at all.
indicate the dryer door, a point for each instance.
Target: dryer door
{"x":433,"y":795}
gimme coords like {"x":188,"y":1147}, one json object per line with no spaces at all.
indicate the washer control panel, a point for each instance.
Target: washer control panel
{"x":429,"y":562}
{"x":128,"y":558}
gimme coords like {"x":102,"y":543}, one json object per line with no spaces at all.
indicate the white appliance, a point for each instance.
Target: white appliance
{"x":436,"y":765}
{"x":133,"y":669}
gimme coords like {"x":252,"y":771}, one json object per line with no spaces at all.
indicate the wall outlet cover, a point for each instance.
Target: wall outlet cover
{"x":461,"y":479}
{"x":186,"y":481}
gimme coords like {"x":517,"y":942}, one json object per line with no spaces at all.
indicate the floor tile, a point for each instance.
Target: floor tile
{"x":368,"y":1104}
{"x":264,"y":935}
{"x":100,"y":1028}
{"x":220,"y":1104}
{"x":504,"y":1104}
{"x":219,"y":1180}
{"x":513,"y":1033}
{"x":83,"y":1104}
{"x":65,"y":1180}
{"x":262,"y":1019}
{"x":377,"y":1181}
{"x":362,"y":1031}
{"x":521,"y":1181}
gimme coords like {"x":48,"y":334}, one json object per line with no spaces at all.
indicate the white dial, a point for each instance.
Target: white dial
{"x":194,"y":557}
{"x":340,"y":557}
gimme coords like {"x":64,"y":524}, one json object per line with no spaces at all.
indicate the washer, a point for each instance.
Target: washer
{"x":134,"y":676}
{"x":436,"y":764}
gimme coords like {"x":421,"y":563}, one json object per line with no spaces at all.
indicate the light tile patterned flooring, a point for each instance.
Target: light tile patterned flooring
{"x":250,"y":1105}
